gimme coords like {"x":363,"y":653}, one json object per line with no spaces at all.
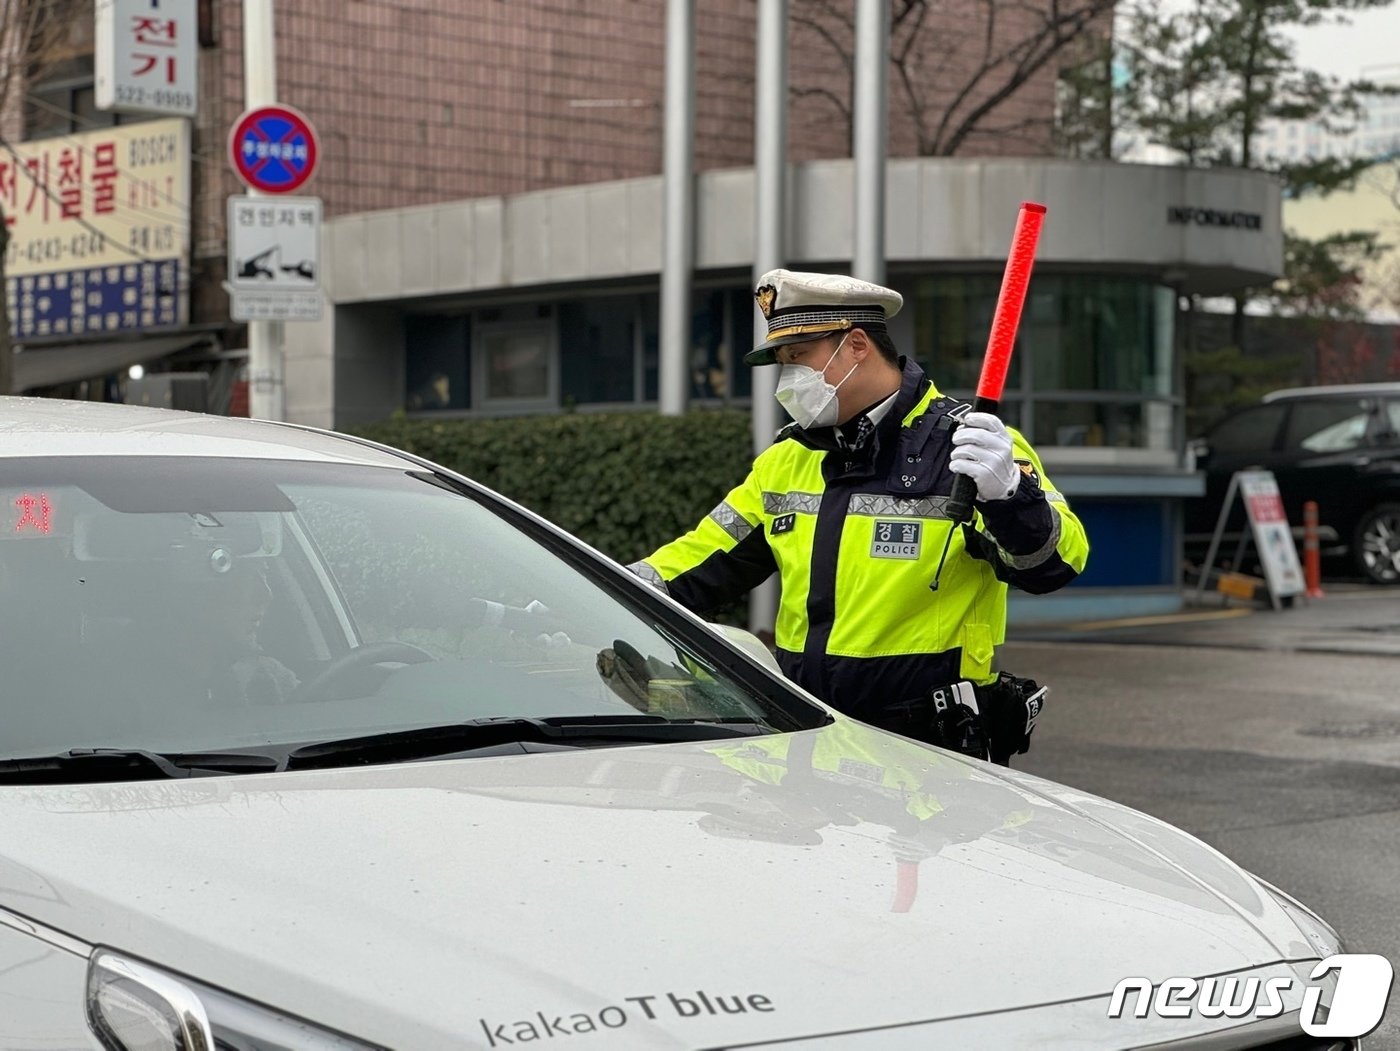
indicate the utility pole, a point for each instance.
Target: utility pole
{"x":266,"y":390}
{"x":871,"y":94}
{"x":678,"y":205}
{"x":770,"y":241}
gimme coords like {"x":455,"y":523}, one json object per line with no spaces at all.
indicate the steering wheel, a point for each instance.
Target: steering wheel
{"x":348,"y":665}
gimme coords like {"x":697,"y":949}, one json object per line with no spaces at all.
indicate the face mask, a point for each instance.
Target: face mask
{"x":806,"y":395}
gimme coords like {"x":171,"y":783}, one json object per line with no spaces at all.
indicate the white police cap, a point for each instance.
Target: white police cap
{"x":800,"y":306}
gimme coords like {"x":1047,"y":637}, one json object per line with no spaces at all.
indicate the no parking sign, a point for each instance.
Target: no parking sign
{"x":273,"y":149}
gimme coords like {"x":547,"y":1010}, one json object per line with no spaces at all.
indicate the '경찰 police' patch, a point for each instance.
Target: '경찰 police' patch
{"x":896,"y":539}
{"x":784,"y":523}
{"x":1028,"y":469}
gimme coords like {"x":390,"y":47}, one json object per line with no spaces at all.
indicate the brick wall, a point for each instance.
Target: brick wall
{"x":419,"y":101}
{"x":428,"y":100}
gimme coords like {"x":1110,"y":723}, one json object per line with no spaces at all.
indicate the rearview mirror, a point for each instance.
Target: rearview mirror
{"x":750,"y":644}
{"x":108,"y":536}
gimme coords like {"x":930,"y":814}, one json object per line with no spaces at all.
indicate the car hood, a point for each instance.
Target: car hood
{"x":829,"y":880}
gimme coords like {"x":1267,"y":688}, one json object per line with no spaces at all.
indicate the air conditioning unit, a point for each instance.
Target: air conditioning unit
{"x":170,"y":390}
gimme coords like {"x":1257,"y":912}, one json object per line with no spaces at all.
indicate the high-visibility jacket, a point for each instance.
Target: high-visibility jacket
{"x":856,"y":536}
{"x":885,"y":780}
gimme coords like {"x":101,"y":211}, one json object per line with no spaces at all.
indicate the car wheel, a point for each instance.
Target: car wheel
{"x":1377,"y":544}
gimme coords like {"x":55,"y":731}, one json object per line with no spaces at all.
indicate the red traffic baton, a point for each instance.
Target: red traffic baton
{"x":906,"y":886}
{"x":1002,"y":340}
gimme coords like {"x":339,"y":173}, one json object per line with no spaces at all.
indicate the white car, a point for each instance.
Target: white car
{"x":310,"y":744}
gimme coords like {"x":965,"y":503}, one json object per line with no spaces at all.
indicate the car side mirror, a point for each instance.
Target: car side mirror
{"x":750,"y":644}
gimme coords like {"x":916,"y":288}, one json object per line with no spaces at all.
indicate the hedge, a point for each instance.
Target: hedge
{"x":624,"y":482}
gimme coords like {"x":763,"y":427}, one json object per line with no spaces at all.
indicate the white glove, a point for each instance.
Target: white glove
{"x":983,"y":453}
{"x":555,"y":645}
{"x":497,"y":614}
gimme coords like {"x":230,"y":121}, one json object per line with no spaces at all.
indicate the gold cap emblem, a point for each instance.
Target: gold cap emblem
{"x":765,"y":296}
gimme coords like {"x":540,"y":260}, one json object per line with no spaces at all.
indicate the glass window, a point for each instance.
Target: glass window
{"x":651,"y":347}
{"x":1125,"y":424}
{"x":1109,"y":337}
{"x":1253,"y":430}
{"x":516,"y":362}
{"x":1327,"y":426}
{"x":710,"y":347}
{"x":742,"y":311}
{"x":1393,"y":412}
{"x":952,"y":317}
{"x":1012,"y":415}
{"x":597,"y":350}
{"x":1100,"y":334}
{"x":1085,"y":333}
{"x":721,"y":334}
{"x":436,"y":357}
{"x":233,"y":603}
{"x":64,"y":102}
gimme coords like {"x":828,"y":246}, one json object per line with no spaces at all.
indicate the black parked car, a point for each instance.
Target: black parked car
{"x":1337,"y":445}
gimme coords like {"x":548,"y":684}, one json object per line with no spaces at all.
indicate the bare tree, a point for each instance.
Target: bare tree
{"x":33,"y":33}
{"x":958,"y":65}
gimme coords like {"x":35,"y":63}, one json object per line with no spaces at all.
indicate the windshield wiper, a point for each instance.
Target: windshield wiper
{"x":513,"y":734}
{"x":78,"y":765}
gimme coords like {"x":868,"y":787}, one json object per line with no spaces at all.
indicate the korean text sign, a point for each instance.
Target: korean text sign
{"x":1272,"y":534}
{"x":99,"y":230}
{"x":145,"y":56}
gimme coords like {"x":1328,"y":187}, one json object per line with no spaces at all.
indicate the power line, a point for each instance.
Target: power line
{"x":86,"y":152}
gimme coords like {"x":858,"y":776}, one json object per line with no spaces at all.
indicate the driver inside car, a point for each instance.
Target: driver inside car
{"x":199,"y":632}
{"x":251,"y":676}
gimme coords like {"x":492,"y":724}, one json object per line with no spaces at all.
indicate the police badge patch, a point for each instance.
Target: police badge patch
{"x":1028,"y":469}
{"x":765,"y":296}
{"x":896,"y":539}
{"x":784,"y":524}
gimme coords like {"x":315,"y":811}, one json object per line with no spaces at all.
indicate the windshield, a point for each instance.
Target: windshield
{"x":215,"y":604}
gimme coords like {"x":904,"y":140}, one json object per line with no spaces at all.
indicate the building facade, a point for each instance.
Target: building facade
{"x":493,"y":234}
{"x":1375,"y":132}
{"x":425,"y":101}
{"x":547,"y":301}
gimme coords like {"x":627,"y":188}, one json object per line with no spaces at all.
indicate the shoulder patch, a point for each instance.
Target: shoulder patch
{"x":1028,"y":469}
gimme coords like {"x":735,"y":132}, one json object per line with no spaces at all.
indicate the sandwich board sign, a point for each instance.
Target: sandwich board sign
{"x":1272,"y":535}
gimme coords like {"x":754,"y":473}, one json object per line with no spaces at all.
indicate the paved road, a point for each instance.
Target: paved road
{"x":1352,"y":618}
{"x":1285,"y":759}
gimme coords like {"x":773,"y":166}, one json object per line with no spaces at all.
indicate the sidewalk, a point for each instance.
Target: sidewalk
{"x":1349,"y":619}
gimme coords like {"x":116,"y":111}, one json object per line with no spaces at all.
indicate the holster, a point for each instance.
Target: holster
{"x":947,"y":716}
{"x":957,"y":719}
{"x":1010,"y":708}
{"x":993,"y":722}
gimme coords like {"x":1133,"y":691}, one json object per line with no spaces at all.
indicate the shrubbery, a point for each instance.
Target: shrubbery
{"x":624,"y":482}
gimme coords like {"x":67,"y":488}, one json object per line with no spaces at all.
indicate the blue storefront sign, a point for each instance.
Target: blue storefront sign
{"x":133,"y":297}
{"x":99,"y":233}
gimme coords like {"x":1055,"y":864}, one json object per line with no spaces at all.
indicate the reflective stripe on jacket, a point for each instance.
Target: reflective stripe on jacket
{"x":856,"y":537}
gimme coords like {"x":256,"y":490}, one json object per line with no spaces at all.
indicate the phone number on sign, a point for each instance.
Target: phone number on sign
{"x":183,"y":100}
{"x":60,"y":249}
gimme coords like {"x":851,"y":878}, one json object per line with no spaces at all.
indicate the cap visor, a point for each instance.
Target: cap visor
{"x":766,"y":353}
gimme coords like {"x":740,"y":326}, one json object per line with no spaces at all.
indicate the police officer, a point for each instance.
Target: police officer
{"x":848,"y":506}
